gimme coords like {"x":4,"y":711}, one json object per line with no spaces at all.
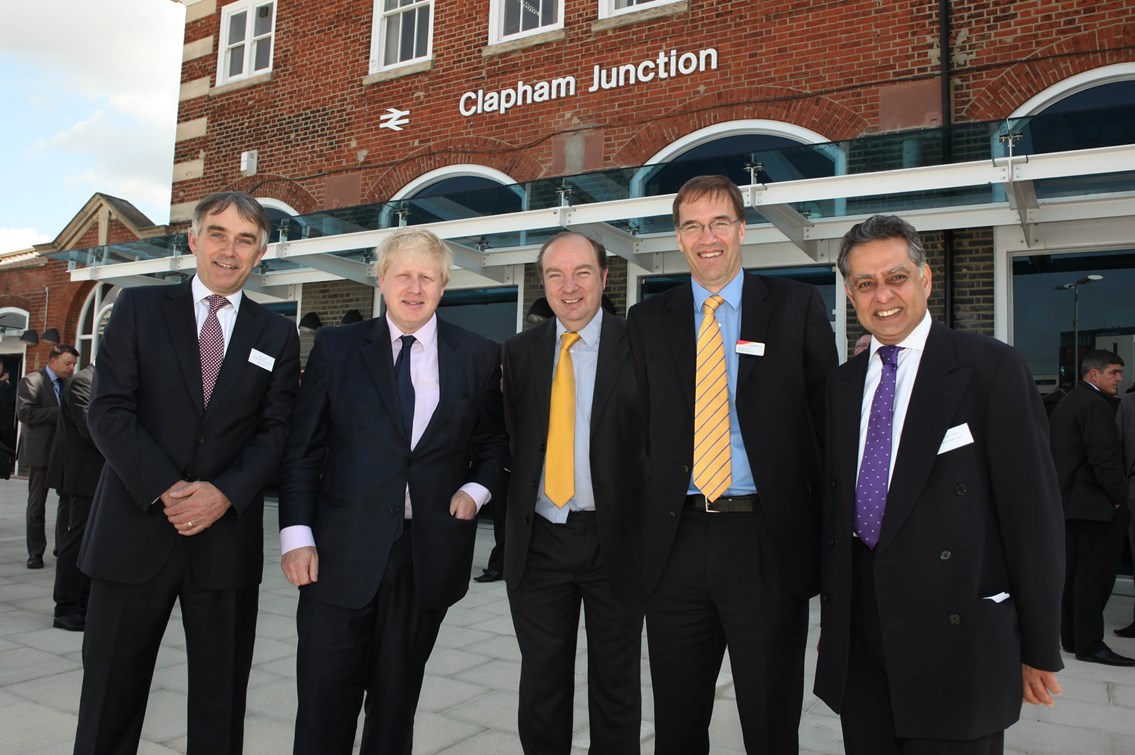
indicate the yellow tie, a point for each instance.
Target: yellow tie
{"x":559,"y":460}
{"x":712,"y":468}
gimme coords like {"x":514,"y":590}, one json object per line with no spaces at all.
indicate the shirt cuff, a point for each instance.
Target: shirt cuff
{"x":478,"y":492}
{"x":296,"y":536}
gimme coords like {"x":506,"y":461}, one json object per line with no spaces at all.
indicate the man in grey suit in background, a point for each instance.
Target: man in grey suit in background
{"x":1125,"y":417}
{"x":37,"y":407}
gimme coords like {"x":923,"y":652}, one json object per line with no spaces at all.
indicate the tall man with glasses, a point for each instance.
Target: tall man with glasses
{"x":733,"y":368}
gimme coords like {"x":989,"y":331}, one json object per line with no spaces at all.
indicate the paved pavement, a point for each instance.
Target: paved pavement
{"x":468,"y":704}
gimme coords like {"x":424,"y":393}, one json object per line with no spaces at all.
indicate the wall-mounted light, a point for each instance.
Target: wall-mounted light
{"x":352,"y":315}
{"x":30,"y":337}
{"x":51,"y":335}
{"x":310,"y":321}
{"x":248,"y":160}
{"x":539,"y":311}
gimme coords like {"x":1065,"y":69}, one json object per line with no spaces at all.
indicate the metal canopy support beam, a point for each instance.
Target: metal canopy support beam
{"x":784,"y":217}
{"x":615,"y":240}
{"x":340,"y":267}
{"x":475,"y":262}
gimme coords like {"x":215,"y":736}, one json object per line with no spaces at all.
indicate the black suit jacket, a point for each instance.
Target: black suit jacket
{"x":780,"y":403}
{"x":38,"y":412}
{"x":617,"y":446}
{"x":349,"y":460}
{"x":147,"y":416}
{"x":1088,"y":453}
{"x":76,"y":462}
{"x":960,"y":526}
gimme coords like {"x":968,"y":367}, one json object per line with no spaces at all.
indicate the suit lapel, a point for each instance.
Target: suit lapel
{"x":756,"y":309}
{"x":846,"y":404}
{"x":540,"y":362}
{"x":450,"y":371}
{"x":378,"y":357}
{"x":614,"y":349}
{"x":181,"y":323}
{"x":678,"y":331}
{"x":249,"y":321}
{"x":938,"y":389}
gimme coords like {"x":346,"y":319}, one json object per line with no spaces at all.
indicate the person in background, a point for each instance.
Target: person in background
{"x":37,"y":407}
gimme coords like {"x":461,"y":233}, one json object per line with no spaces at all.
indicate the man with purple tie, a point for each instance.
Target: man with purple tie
{"x":942,"y":547}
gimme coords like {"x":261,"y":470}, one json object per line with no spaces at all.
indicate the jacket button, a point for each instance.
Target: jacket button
{"x":825,"y":598}
{"x":834,"y":484}
{"x":955,"y":618}
{"x":831,"y":543}
{"x":685,"y":469}
{"x":528,"y":520}
{"x":945,"y":555}
{"x":200,"y":441}
{"x":961,"y":490}
{"x":396,"y":509}
{"x":672,"y":514}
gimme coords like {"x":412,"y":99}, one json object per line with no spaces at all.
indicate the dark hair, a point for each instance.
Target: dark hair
{"x":246,"y":206}
{"x":1100,"y":359}
{"x":60,"y":349}
{"x":600,"y":250}
{"x":880,"y":228}
{"x":711,"y":186}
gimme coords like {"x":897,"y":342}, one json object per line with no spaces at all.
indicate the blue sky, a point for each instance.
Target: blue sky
{"x":90,"y":105}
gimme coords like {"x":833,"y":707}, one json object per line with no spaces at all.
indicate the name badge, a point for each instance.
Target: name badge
{"x":956,"y":437}
{"x":751,"y":348}
{"x":261,"y":360}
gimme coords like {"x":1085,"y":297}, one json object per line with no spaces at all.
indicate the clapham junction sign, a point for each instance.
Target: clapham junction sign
{"x":667,"y":65}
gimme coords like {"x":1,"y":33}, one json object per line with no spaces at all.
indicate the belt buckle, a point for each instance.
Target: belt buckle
{"x":708,"y":510}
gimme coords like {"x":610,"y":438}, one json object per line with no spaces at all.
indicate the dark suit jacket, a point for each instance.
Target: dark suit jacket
{"x":76,"y":462}
{"x":960,"y":526}
{"x":147,"y":417}
{"x":348,"y":461}
{"x":38,"y":411}
{"x":7,"y":429}
{"x":1125,"y":422}
{"x":1088,"y":454}
{"x":780,"y":400}
{"x":618,"y":446}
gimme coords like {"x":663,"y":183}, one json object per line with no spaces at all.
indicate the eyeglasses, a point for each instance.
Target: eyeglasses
{"x":719,"y":227}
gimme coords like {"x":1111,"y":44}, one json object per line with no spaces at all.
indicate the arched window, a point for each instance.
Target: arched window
{"x":92,"y":320}
{"x":746,"y":151}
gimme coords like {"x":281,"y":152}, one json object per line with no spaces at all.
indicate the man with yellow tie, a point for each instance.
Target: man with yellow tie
{"x":578,"y":478}
{"x":732,"y":368}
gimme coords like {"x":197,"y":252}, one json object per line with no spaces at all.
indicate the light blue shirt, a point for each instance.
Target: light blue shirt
{"x":584,"y":360}
{"x":729,"y":319}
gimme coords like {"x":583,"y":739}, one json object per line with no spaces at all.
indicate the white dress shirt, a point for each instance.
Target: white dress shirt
{"x":909,"y":357}
{"x":225,"y":315}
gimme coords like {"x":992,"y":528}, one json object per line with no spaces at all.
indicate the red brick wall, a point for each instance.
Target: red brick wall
{"x":822,"y":65}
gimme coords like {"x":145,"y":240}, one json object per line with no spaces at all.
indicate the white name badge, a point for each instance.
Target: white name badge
{"x":956,"y":437}
{"x":261,"y":360}
{"x":751,"y":348}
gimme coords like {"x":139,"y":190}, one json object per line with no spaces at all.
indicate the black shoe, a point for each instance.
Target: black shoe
{"x":74,"y":622}
{"x":489,"y":575}
{"x":35,"y":562}
{"x":1127,"y":631}
{"x":1108,"y":657}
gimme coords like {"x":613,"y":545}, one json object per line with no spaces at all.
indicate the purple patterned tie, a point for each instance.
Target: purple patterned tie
{"x":874,"y":472}
{"x":212,"y":342}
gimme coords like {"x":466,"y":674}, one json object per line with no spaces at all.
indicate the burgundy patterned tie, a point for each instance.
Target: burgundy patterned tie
{"x":874,"y":472}
{"x":212,"y":341}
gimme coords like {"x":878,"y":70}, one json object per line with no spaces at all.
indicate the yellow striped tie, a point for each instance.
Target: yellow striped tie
{"x":713,"y":471}
{"x":559,"y":459}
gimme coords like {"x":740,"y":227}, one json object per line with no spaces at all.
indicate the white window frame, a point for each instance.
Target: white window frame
{"x":496,"y":22}
{"x":609,"y":8}
{"x":249,"y":41}
{"x":378,"y":34}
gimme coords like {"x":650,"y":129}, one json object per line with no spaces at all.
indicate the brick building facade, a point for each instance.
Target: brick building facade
{"x":330,"y":109}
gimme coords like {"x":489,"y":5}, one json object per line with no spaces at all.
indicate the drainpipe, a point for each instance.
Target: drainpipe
{"x":947,"y":150}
